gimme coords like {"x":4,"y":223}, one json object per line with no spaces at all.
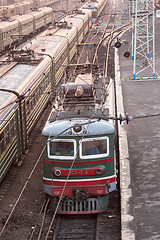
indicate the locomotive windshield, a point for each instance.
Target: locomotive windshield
{"x":94,"y":147}
{"x":60,"y":149}
{"x":88,"y":148}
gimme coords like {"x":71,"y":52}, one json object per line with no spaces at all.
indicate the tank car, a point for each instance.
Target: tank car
{"x":79,"y":161}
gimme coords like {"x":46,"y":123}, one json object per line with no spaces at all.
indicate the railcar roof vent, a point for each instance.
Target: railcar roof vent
{"x":79,"y":12}
{"x":63,"y":24}
{"x":23,"y":56}
{"x":82,"y":87}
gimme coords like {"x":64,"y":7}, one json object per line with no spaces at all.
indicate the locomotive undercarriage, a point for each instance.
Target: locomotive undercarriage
{"x":81,"y":202}
{"x":77,"y":206}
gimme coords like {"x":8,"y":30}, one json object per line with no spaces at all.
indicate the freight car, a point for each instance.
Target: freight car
{"x":21,"y":27}
{"x":79,"y":161}
{"x":32,"y":72}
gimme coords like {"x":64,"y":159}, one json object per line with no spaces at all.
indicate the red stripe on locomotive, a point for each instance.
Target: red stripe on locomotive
{"x":92,"y":187}
{"x":79,"y":163}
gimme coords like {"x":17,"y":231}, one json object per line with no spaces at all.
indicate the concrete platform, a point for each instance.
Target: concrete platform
{"x":140,"y":153}
{"x":142,"y":99}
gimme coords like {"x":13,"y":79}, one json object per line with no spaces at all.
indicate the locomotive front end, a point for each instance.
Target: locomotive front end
{"x":79,"y":164}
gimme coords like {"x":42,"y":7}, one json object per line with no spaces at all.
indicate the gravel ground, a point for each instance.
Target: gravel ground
{"x":26,"y":213}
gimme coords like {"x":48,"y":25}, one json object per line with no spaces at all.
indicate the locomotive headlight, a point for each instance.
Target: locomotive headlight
{"x":77,"y":128}
{"x":70,"y":131}
{"x":99,"y":171}
{"x":57,"y":172}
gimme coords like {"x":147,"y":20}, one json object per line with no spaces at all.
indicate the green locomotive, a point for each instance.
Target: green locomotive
{"x":79,"y":162}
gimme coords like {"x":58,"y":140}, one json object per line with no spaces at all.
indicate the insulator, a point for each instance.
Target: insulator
{"x":128,"y":118}
{"x":120,"y":118}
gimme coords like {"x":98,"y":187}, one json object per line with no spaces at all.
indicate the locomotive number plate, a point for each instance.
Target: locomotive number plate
{"x":79,"y":172}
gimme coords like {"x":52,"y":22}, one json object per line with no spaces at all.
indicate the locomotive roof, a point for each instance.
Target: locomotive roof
{"x":89,"y":6}
{"x":66,"y":127}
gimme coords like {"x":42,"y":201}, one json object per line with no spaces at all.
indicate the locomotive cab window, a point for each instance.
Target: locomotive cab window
{"x":61,"y":149}
{"x":94,"y":147}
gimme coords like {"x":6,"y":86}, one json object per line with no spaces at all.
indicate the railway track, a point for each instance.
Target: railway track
{"x":84,"y":227}
{"x":62,"y":8}
{"x":101,"y":226}
{"x":100,"y":45}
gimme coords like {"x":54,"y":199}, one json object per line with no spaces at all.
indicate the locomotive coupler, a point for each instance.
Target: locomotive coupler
{"x":79,"y":195}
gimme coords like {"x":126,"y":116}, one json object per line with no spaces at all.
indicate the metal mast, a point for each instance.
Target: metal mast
{"x":130,"y":15}
{"x":143,"y":39}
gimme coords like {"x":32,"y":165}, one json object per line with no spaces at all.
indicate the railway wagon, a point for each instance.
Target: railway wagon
{"x":96,"y":7}
{"x":79,"y":162}
{"x":22,"y":7}
{"x":21,"y":27}
{"x":41,"y":64}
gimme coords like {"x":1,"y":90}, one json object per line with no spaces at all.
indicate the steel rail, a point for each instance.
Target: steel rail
{"x":34,"y":228}
{"x":108,"y":47}
{"x":102,"y":37}
{"x":97,"y":228}
{"x":57,"y":228}
{"x":83,"y":44}
{"x":22,"y":191}
{"x":43,"y":218}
